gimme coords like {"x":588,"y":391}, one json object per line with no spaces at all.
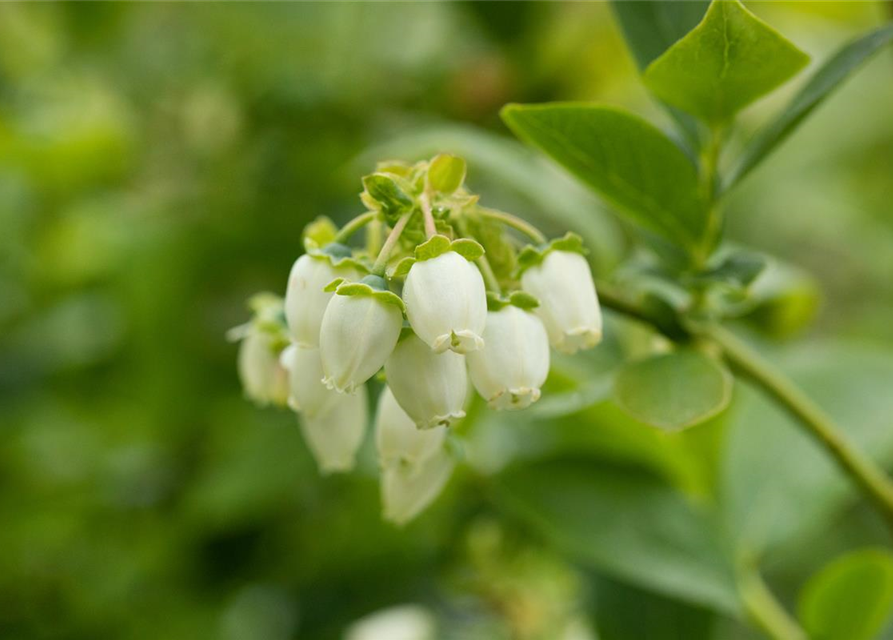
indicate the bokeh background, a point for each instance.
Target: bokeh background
{"x":157,"y":164}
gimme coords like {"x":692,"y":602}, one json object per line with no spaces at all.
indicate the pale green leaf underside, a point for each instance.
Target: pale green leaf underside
{"x":631,"y":163}
{"x":729,"y":60}
{"x":851,"y":598}
{"x":675,"y":390}
{"x":825,"y":80}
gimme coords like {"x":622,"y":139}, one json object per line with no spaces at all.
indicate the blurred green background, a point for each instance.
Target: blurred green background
{"x":157,"y":164}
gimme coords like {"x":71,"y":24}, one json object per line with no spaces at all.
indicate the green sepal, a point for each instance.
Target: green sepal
{"x":435,"y":246}
{"x":371,"y":285}
{"x":339,"y":255}
{"x":531,"y":255}
{"x":520,"y":299}
{"x":318,"y":233}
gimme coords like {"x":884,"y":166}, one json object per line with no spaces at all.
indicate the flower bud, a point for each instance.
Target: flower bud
{"x":407,"y":489}
{"x":359,"y":331}
{"x":264,"y":380}
{"x":335,"y":435}
{"x":431,"y":387}
{"x":307,"y":393}
{"x":514,"y":363}
{"x":305,"y":300}
{"x":398,"y":439}
{"x":446,"y":303}
{"x":568,"y":302}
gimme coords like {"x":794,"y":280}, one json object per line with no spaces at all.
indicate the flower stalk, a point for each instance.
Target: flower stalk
{"x":381,"y":262}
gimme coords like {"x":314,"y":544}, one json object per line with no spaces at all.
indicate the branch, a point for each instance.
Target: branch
{"x":869,"y":477}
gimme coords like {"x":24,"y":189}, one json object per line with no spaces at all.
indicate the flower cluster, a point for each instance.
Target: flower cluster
{"x":447,"y":299}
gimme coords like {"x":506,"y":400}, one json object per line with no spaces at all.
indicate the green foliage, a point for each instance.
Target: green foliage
{"x":628,"y":161}
{"x":851,"y":598}
{"x":446,"y":173}
{"x":729,"y":60}
{"x":392,"y":197}
{"x":675,"y":390}
{"x":823,"y":83}
{"x":626,"y":524}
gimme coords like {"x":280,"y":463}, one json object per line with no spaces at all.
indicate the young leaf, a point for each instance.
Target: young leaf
{"x":725,"y":63}
{"x":830,"y":76}
{"x":446,"y":173}
{"x":851,"y":598}
{"x":673,"y":391}
{"x":628,"y":161}
{"x":389,"y":194}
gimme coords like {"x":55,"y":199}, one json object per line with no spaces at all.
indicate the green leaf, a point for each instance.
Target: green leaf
{"x":725,"y":63}
{"x":851,"y":598}
{"x":781,"y":489}
{"x":626,"y":523}
{"x":623,"y":612}
{"x":675,"y":390}
{"x":650,"y":27}
{"x":446,"y":173}
{"x":830,"y":76}
{"x":631,"y":163}
{"x":390,"y":196}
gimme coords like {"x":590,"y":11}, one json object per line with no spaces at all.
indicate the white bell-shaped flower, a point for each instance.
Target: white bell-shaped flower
{"x":404,"y":622}
{"x":358,"y":333}
{"x":335,"y":436}
{"x":397,"y":437}
{"x":305,"y":300}
{"x":431,"y":387}
{"x":514,"y":363}
{"x":307,"y":393}
{"x":407,"y":489}
{"x":446,"y":303}
{"x":568,"y":302}
{"x":264,"y":380}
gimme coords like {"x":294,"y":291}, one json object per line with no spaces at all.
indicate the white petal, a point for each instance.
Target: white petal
{"x":431,"y":387}
{"x":357,"y":336}
{"x":305,"y":300}
{"x":446,"y":303}
{"x":335,"y":436}
{"x":514,"y":362}
{"x":568,"y":302}
{"x":406,"y":622}
{"x":397,"y":437}
{"x":307,"y":392}
{"x":406,"y":490}
{"x":263,"y":378}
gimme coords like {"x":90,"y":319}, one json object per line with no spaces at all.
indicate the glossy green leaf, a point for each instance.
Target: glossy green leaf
{"x":650,"y":27}
{"x":631,"y":163}
{"x":851,"y":598}
{"x":674,"y":390}
{"x":626,"y":523}
{"x":830,"y":76}
{"x":391,"y":196}
{"x":729,"y":60}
